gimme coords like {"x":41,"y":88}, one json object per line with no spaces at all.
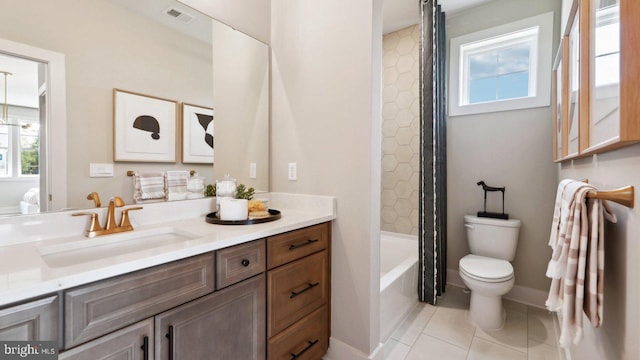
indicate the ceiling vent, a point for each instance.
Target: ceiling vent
{"x":179,"y":14}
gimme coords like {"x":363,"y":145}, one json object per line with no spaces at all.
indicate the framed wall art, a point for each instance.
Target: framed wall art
{"x":197,"y":134}
{"x":144,"y":128}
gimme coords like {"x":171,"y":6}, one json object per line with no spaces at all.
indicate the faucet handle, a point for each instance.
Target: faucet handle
{"x":124,"y":221}
{"x":95,"y":197}
{"x":94,"y":225}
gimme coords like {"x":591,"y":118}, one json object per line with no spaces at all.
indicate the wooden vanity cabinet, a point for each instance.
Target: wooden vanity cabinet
{"x":33,"y":320}
{"x":272,"y":300}
{"x":299,"y":293}
{"x":228,"y":324}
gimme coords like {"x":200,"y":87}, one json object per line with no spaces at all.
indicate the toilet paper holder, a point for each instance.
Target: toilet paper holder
{"x":493,"y":215}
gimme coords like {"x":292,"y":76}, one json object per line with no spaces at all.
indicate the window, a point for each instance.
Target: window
{"x":502,"y":68}
{"x":19,"y":149}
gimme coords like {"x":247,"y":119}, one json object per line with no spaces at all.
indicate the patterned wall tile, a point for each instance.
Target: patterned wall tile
{"x":400,"y":131}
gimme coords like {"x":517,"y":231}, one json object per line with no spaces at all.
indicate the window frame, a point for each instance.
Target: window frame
{"x":14,"y":149}
{"x":540,"y":63}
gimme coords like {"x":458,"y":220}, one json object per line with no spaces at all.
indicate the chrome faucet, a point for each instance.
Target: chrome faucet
{"x":110,"y":226}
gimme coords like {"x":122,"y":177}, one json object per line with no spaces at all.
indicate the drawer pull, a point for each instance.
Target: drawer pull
{"x":170,"y":337}
{"x":245,"y":262}
{"x":311,"y":286}
{"x":308,"y":242}
{"x":309,"y":346}
{"x":145,"y":348}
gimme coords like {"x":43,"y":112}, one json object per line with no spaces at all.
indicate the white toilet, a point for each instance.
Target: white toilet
{"x":487,"y":271}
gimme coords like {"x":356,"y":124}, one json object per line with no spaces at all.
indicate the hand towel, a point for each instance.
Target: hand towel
{"x":148,"y":186}
{"x":594,"y":278}
{"x":176,"y":185}
{"x":577,"y":263}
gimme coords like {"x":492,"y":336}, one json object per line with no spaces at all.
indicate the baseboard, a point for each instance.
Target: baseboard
{"x":339,"y":350}
{"x":521,"y":294}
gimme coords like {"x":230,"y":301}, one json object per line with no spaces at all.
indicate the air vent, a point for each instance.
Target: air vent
{"x":178,"y":14}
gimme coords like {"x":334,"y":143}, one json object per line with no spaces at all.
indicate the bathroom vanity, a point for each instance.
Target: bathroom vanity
{"x":241,"y":292}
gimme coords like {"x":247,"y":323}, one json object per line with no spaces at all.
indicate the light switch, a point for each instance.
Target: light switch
{"x":100,"y":170}
{"x":252,"y":170}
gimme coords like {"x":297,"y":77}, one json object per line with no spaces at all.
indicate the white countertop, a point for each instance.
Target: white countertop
{"x":25,"y":274}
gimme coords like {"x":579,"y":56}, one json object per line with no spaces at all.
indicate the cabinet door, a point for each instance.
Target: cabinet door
{"x":131,"y":343}
{"x":229,"y":324}
{"x":35,"y":320}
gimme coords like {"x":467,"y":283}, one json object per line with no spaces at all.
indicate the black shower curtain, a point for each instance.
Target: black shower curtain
{"x":432,"y":230}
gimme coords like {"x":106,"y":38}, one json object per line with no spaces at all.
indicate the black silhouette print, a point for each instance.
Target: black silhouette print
{"x":148,"y":123}
{"x":205,"y":121}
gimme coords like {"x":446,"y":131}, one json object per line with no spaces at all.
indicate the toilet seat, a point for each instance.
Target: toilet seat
{"x":486,"y":269}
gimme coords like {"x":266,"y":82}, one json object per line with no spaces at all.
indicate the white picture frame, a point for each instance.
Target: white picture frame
{"x":144,"y":128}
{"x":197,"y":134}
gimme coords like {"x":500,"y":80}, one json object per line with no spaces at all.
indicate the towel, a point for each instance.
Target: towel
{"x":32,"y":196}
{"x":594,"y":279}
{"x":577,"y":239}
{"x":148,"y":186}
{"x":176,"y":185}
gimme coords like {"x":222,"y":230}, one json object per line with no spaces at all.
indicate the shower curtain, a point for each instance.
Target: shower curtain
{"x":432,"y":226}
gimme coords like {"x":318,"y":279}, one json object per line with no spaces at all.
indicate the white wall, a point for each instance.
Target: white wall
{"x":326,"y":75}
{"x":241,"y":97}
{"x":618,"y":336}
{"x":512,"y":149}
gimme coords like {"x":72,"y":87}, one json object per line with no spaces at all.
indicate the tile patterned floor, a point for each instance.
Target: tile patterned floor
{"x":444,"y":332}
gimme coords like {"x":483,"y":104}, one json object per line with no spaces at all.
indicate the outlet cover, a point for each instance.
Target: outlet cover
{"x":293,"y":171}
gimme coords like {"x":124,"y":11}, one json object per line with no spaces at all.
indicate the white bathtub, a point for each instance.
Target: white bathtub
{"x":398,"y":280}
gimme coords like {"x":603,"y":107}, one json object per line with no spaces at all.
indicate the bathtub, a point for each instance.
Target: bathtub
{"x":398,"y":280}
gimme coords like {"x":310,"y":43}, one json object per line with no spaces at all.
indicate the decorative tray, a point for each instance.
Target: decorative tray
{"x":212,"y":218}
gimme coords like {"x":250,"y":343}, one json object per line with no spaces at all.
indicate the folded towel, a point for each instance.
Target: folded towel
{"x":148,"y":186}
{"x":176,"y":185}
{"x":32,"y":196}
{"x":578,"y":258}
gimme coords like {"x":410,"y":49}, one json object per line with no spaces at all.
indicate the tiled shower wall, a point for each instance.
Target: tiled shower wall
{"x":400,"y":131}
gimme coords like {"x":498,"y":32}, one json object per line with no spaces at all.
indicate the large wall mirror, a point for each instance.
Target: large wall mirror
{"x":160,"y":48}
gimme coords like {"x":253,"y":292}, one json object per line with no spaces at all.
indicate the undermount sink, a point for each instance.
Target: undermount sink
{"x":108,"y":246}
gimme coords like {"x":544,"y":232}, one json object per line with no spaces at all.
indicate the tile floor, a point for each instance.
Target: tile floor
{"x":444,"y":332}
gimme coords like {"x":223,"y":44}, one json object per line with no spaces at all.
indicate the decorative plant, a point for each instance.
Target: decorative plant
{"x":210,"y":190}
{"x":243,"y":193}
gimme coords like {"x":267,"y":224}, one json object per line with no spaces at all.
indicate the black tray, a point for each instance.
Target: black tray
{"x":212,"y":218}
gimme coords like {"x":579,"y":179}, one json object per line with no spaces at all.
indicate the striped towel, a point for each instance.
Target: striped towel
{"x":148,"y":186}
{"x":176,"y":185}
{"x":578,"y":253}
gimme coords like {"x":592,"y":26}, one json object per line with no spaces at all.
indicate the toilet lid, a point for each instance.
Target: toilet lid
{"x":486,"y":269}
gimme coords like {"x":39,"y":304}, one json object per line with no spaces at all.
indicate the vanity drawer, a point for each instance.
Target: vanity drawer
{"x":240,"y":262}
{"x":96,"y":309}
{"x":293,"y":245}
{"x":308,"y":339}
{"x":295,"y":290}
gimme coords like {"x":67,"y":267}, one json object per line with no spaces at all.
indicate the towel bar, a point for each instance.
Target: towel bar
{"x":131,"y":173}
{"x":624,"y":196}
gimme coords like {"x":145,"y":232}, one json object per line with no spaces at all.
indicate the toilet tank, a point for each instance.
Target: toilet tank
{"x":494,"y":238}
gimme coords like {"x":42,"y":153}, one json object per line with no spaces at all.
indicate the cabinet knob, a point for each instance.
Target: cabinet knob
{"x":245,"y":262}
